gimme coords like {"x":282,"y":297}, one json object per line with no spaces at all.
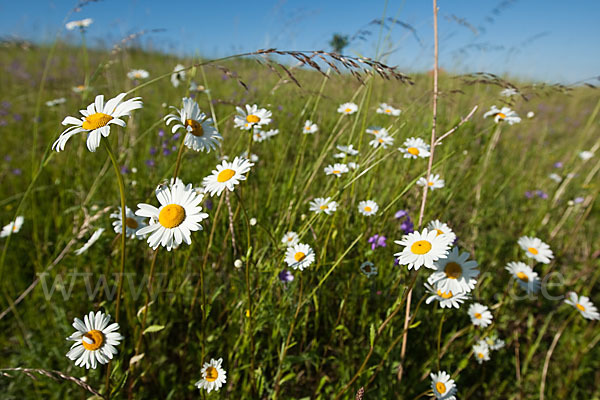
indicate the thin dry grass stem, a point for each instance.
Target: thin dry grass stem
{"x":52,"y":374}
{"x":549,"y":354}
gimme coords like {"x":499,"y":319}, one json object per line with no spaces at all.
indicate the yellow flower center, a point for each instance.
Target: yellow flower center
{"x":477,"y":315}
{"x":441,"y":388}
{"x":307,"y":128}
{"x":580,"y":307}
{"x":348,"y":110}
{"x":336,"y":171}
{"x":96,"y":121}
{"x":533,"y":251}
{"x":253,"y":119}
{"x":380,"y":140}
{"x":445,"y":295}
{"x":323,"y":207}
{"x":501,"y":115}
{"x":211,"y":374}
{"x":197,"y":129}
{"x":368,"y":209}
{"x":453,"y":270}
{"x":97,"y":339}
{"x":430,"y":183}
{"x":299,"y":256}
{"x":480,"y":355}
{"x":387,"y":110}
{"x":225,"y":175}
{"x":131,"y":223}
{"x":80,"y":87}
{"x":413,"y":150}
{"x":439,"y":232}
{"x":522,"y":276}
{"x":171,"y":216}
{"x":420,"y":247}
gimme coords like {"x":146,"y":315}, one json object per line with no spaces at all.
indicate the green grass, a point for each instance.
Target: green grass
{"x":328,"y":314}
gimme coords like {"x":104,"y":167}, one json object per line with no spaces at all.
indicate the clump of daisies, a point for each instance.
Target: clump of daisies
{"x":227,"y":176}
{"x":213,"y":376}
{"x":503,"y":114}
{"x":95,"y":340}
{"x":97,"y":119}
{"x":299,"y":256}
{"x":201,"y":135}
{"x":252,"y":117}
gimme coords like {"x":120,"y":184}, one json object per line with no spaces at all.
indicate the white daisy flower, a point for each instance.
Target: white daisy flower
{"x":422,"y":248}
{"x":336,"y":169}
{"x":227,"y":175}
{"x":583,"y":304}
{"x":138,"y":74}
{"x":81,"y":24}
{"x":481,"y":351}
{"x":434,"y":182}
{"x":382,"y":140}
{"x":213,"y":376}
{"x":442,"y":229}
{"x":132,"y":223}
{"x":536,"y":249}
{"x":259,"y":136}
{"x":414,"y":148}
{"x":97,"y":119}
{"x":555,"y":177}
{"x":493,"y":342}
{"x":201,"y":134}
{"x":586,"y":155}
{"x":527,"y":278}
{"x":178,"y":75}
{"x":443,"y":387}
{"x":79,"y":88}
{"x":352,"y":165}
{"x":323,"y":205}
{"x":93,"y":239}
{"x":309,"y":127}
{"x":387,"y":110}
{"x":271,"y":132}
{"x":345,"y":151}
{"x":299,"y":256}
{"x":177,"y":217}
{"x":368,"y":208}
{"x":253,"y":116}
{"x":368,"y":268}
{"x":95,"y":340}
{"x":55,"y":102}
{"x":347,"y":108}
{"x":504,"y":114}
{"x":253,"y":157}
{"x":454,"y":273}
{"x":530,"y":114}
{"x":446,"y":299}
{"x":291,"y":238}
{"x":508,"y":92}
{"x":12,"y":227}
{"x":480,"y":315}
{"x":377,"y":130}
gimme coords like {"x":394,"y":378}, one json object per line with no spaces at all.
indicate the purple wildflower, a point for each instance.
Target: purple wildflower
{"x":161,"y":132}
{"x":541,"y":194}
{"x":578,"y":200}
{"x":176,"y":136}
{"x":286,"y":276}
{"x":377,"y":241}
{"x":558,"y":164}
{"x":401,"y":214}
{"x":125,"y":170}
{"x":528,"y":194}
{"x":407,"y":226}
{"x":150,"y":163}
{"x":17,"y":171}
{"x":153,"y":151}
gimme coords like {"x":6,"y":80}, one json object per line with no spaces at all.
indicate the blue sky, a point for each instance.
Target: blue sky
{"x":541,"y":39}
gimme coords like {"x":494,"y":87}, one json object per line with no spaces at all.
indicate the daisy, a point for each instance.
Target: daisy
{"x":586,"y":155}
{"x":271,"y":132}
{"x":177,"y":217}
{"x":493,"y":342}
{"x":55,"y":102}
{"x":253,"y":157}
{"x":97,"y":119}
{"x":414,"y":148}
{"x":347,"y":108}
{"x":527,"y":278}
{"x":443,"y":387}
{"x":388,"y":110}
{"x":201,"y":134}
{"x":480,"y":315}
{"x":213,"y":376}
{"x":442,"y":229}
{"x":336,"y":169}
{"x":345,"y":151}
{"x":227,"y":175}
{"x":309,"y":127}
{"x":352,"y":165}
{"x":138,"y":74}
{"x":12,"y":227}
{"x":253,"y":116}
{"x":377,"y":130}
{"x":454,"y":273}
{"x":259,"y":136}
{"x":583,"y":305}
{"x":530,"y":114}
{"x":299,"y":256}
{"x":81,"y":24}
{"x":446,"y":299}
{"x":422,"y":248}
{"x":368,"y":268}
{"x":132,"y":223}
{"x":434,"y":182}
{"x":93,"y":239}
{"x":368,"y":208}
{"x":95,"y":340}
{"x":536,"y":249}
{"x":481,"y":352}
{"x":504,"y":114}
{"x":79,"y":88}
{"x":555,"y":177}
{"x":382,"y":140}
{"x":323,"y":205}
{"x":291,"y":238}
{"x":508,"y":92}
{"x":178,"y":75}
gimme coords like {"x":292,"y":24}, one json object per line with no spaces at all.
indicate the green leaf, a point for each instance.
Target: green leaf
{"x":153,"y":328}
{"x":372,"y":334}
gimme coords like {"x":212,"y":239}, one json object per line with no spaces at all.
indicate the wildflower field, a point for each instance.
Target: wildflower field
{"x":298,"y":225}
